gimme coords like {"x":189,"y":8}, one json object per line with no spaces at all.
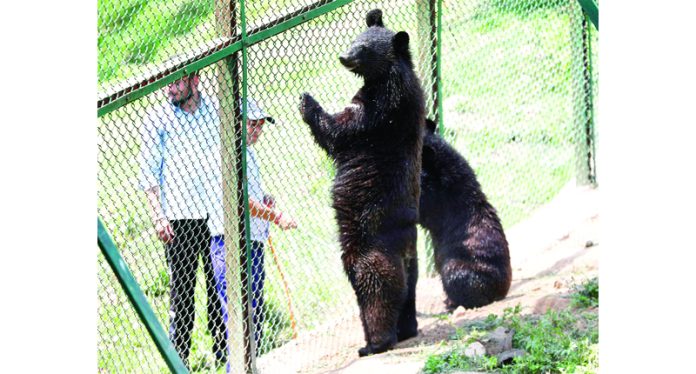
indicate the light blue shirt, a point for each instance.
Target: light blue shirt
{"x":259,"y":227}
{"x":180,"y":153}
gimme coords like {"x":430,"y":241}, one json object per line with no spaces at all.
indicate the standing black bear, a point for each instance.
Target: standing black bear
{"x":471,"y":252}
{"x":376,"y":146}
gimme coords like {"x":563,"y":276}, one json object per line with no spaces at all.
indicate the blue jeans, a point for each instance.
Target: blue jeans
{"x":258,"y":276}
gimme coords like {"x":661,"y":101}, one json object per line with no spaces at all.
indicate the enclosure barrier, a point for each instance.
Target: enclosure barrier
{"x":512,"y":84}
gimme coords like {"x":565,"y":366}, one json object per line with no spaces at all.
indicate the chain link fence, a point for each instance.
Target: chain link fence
{"x":517,"y":88}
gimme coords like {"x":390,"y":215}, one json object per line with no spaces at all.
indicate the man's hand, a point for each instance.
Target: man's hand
{"x":285,"y":222}
{"x":269,"y":201}
{"x":164,"y":230}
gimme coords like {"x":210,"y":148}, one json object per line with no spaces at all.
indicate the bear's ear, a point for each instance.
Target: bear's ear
{"x":374,"y":18}
{"x":430,"y":125}
{"x":400,"y":41}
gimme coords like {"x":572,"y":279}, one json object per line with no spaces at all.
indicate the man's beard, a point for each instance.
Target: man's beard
{"x":178,"y":103}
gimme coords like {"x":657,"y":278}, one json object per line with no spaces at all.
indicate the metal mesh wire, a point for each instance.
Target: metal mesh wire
{"x":515,"y":104}
{"x":514,"y":97}
{"x":121,"y":343}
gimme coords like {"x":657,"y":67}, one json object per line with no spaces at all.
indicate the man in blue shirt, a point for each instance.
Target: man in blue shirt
{"x":181,"y":176}
{"x":262,"y":211}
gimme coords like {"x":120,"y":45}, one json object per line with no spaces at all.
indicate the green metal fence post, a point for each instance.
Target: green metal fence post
{"x":425,"y":44}
{"x":589,"y":102}
{"x":137,"y":298}
{"x":233,"y":191}
{"x":587,"y":162}
{"x":438,"y":69}
{"x":251,"y":348}
{"x":435,"y":48}
{"x":583,"y":124}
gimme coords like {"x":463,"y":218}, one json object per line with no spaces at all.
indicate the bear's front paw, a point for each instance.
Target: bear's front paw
{"x":307,"y":104}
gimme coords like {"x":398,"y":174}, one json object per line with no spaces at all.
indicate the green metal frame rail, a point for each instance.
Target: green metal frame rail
{"x":137,"y":298}
{"x":591,"y":10}
{"x":438,"y":69}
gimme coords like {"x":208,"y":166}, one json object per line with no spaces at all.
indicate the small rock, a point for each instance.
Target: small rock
{"x":459,"y":312}
{"x":589,"y":244}
{"x":475,"y":349}
{"x":554,"y":302}
{"x":557,"y":284}
{"x":507,"y":356}
{"x":497,"y":341}
{"x":580,"y":324}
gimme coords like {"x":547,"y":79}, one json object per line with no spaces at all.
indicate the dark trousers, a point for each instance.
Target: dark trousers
{"x":191,"y":239}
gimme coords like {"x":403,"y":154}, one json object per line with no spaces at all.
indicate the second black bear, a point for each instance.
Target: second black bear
{"x":375,"y":143}
{"x":470,"y":248}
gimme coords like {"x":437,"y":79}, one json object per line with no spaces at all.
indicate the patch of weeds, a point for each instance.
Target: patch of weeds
{"x":442,"y":316}
{"x":456,"y":360}
{"x":478,"y":329}
{"x":277,"y":329}
{"x":586,"y":295}
{"x":555,"y":342}
{"x":159,"y":285}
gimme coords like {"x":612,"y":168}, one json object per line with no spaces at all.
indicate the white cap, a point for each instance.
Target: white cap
{"x":254,"y":111}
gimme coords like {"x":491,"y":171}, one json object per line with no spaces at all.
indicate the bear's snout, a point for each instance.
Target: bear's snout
{"x":349,"y":62}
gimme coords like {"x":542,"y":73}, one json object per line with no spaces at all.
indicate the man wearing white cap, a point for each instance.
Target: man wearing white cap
{"x":262,"y":211}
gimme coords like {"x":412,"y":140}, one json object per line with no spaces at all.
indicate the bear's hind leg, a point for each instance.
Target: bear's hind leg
{"x":407,"y":327}
{"x":379,"y":284}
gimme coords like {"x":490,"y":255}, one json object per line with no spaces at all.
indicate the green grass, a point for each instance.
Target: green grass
{"x":509,"y":100}
{"x":563,"y":341}
{"x":135,"y":36}
{"x":508,"y":89}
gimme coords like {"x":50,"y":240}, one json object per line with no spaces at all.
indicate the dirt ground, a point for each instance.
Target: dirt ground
{"x":555,"y":248}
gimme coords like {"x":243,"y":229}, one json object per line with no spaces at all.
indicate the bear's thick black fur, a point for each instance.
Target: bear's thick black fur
{"x":375,"y":143}
{"x":471,"y":252}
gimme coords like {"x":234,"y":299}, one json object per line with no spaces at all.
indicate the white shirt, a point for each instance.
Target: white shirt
{"x":259,"y":228}
{"x":180,"y":153}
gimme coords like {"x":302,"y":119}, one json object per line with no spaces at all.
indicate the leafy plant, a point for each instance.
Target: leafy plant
{"x":586,"y":295}
{"x":457,"y":360}
{"x":555,"y":342}
{"x":276,"y":327}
